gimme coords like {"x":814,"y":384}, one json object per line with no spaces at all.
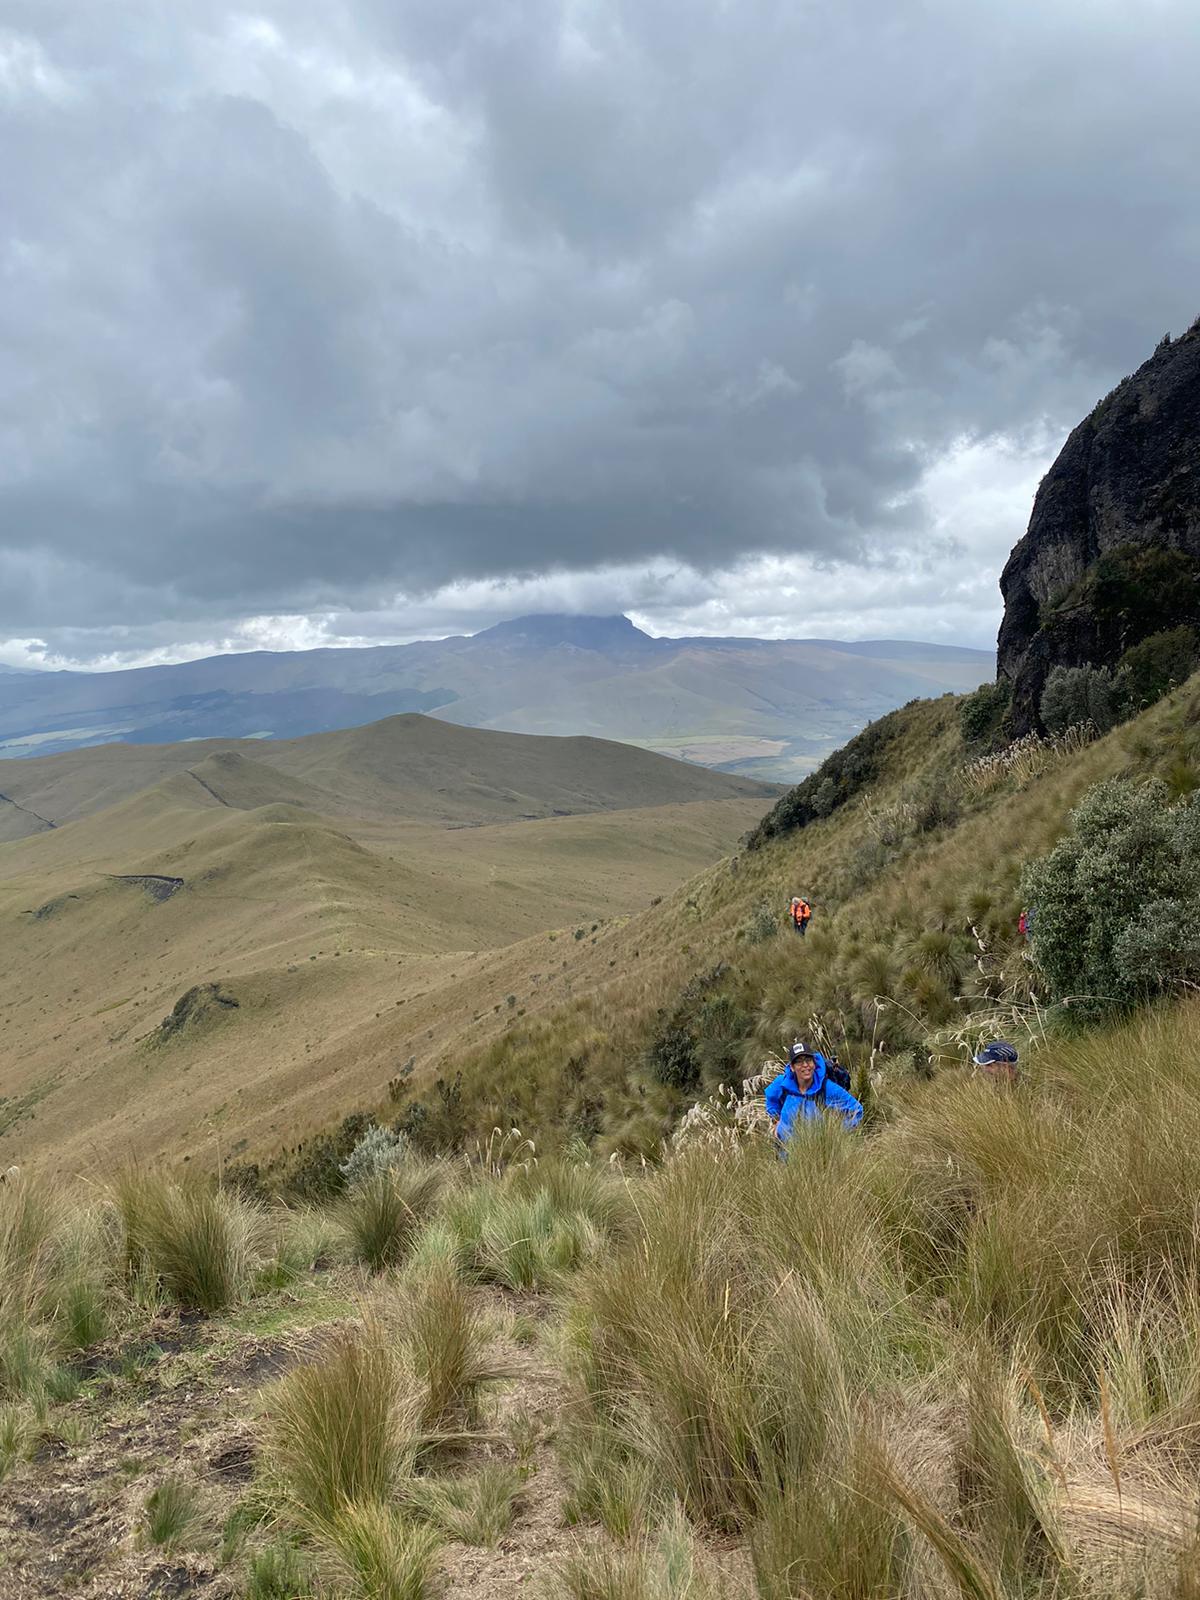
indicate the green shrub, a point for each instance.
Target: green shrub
{"x":981,"y":714}
{"x":1116,"y":901}
{"x":1155,"y":666}
{"x":840,"y":777}
{"x":761,"y":924}
{"x":378,"y":1151}
{"x":672,"y":1061}
{"x":1078,"y":695}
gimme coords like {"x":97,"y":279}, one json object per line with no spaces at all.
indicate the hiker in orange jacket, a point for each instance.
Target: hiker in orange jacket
{"x":800,"y":914}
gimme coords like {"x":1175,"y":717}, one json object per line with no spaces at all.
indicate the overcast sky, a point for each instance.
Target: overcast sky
{"x":364,"y":320}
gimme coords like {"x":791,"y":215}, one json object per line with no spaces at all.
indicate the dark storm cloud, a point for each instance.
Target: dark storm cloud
{"x":305,"y":305}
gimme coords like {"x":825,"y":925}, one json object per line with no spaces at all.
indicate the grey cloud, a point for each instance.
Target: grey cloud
{"x":311,"y":306}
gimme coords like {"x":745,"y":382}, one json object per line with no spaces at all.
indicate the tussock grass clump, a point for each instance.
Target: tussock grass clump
{"x":32,"y":1214}
{"x":201,"y":1243}
{"x":280,"y":1572}
{"x":608,"y":1481}
{"x":1005,"y":1492}
{"x":726,"y":1342}
{"x":385,"y":1556}
{"x":531,"y":1226}
{"x":837,"y":1533}
{"x":300,"y":1238}
{"x":668,"y":1564}
{"x":381,"y":1215}
{"x":18,"y":1434}
{"x":443,"y":1338}
{"x":59,"y":1287}
{"x":343,"y":1428}
{"x":476,"y":1509}
{"x":173,"y":1513}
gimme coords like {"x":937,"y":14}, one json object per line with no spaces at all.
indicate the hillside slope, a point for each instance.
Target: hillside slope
{"x":383,"y":869}
{"x":409,"y":767}
{"x":914,"y":875}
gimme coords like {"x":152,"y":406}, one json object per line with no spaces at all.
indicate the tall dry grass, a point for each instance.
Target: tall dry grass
{"x":532,"y":1225}
{"x":345,"y":1428}
{"x":202,"y":1243}
{"x":444,"y":1338}
{"x":927,"y":1358}
{"x":60,"y":1291}
{"x":381,"y":1216}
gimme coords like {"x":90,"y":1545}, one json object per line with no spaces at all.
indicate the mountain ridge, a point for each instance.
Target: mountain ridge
{"x":769,"y":706}
{"x":412,"y":766}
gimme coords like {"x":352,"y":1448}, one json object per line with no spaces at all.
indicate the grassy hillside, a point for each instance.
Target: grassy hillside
{"x":953,"y":1355}
{"x":408,"y":767}
{"x":914,"y":949}
{"x":379,"y":872}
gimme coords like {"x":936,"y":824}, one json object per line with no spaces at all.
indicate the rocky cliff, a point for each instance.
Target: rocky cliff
{"x":1112,"y":554}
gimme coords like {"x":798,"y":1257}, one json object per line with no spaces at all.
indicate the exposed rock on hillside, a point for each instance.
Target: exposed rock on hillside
{"x":197,"y":1006}
{"x":1112,"y":554}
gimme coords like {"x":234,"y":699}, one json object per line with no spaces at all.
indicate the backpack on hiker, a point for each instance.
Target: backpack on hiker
{"x":835,"y":1072}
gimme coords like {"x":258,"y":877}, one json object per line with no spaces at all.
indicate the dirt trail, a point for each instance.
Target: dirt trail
{"x":537,"y":1537}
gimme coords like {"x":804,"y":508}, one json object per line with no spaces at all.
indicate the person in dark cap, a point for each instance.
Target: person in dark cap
{"x":804,"y":1090}
{"x":998,"y":1061}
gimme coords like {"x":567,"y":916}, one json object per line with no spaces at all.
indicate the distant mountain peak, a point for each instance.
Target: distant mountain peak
{"x":543,"y":630}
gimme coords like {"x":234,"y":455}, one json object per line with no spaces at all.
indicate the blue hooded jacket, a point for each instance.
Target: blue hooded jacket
{"x":787,"y":1102}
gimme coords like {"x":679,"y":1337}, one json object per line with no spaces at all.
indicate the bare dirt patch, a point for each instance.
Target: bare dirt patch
{"x":71,"y":1520}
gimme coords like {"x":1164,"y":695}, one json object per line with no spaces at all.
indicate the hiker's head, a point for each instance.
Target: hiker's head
{"x":998,"y":1060}
{"x":804,"y":1064}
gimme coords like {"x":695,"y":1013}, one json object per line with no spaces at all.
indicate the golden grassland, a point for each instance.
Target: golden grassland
{"x":352,"y":943}
{"x":914,"y":949}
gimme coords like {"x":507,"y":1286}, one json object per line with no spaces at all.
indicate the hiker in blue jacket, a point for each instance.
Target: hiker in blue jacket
{"x":804,"y":1090}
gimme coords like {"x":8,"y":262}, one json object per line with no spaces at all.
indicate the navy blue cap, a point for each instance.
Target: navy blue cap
{"x":998,"y":1053}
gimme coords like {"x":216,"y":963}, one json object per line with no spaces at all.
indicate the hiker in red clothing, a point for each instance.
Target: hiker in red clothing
{"x":800,"y":914}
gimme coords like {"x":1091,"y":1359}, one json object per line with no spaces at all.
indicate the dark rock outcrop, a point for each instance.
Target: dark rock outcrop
{"x":199,"y":1005}
{"x":1112,"y":554}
